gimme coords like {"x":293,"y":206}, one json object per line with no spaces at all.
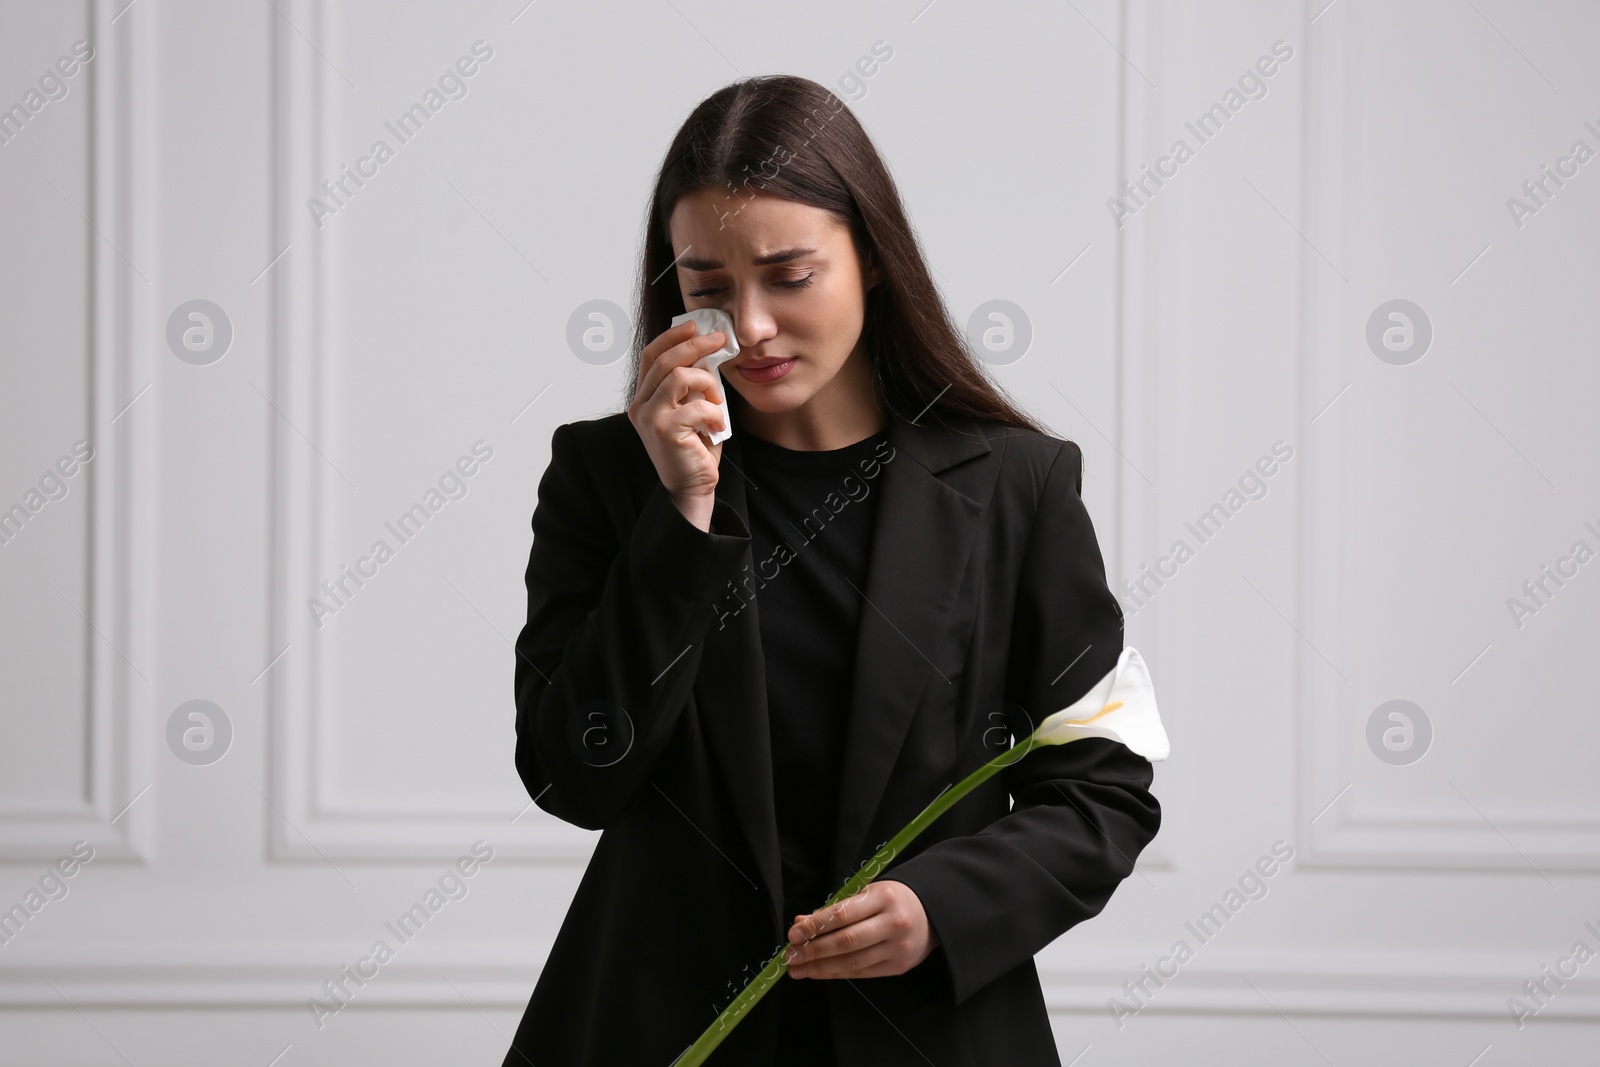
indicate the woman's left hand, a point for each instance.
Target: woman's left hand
{"x":878,"y":932}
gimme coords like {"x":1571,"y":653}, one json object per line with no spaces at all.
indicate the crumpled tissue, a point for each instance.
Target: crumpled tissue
{"x":710,"y":320}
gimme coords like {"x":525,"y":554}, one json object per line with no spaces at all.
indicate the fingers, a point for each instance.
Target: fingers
{"x":712,"y":387}
{"x":880,"y":931}
{"x":680,"y":386}
{"x":860,"y":936}
{"x":674,"y":383}
{"x":668,"y":338}
{"x":677,"y":347}
{"x":696,"y":415}
{"x":702,"y":416}
{"x":863,"y":949}
{"x":853,"y":908}
{"x":842,"y":941}
{"x":879,"y":962}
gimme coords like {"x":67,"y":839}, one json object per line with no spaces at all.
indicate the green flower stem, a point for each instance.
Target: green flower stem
{"x":778,"y":966}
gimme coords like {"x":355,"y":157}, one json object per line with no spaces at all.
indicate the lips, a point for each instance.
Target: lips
{"x":765,"y":370}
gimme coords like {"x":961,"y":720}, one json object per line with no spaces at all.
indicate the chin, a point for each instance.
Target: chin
{"x":770,"y":401}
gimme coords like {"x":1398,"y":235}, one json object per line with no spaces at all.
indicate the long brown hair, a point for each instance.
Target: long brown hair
{"x":823,"y":157}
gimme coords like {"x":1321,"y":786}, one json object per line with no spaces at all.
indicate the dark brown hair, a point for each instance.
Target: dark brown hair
{"x":822,"y":157}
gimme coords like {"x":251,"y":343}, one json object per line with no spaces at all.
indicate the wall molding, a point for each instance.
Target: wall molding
{"x":1451,"y":837}
{"x":502,"y":974}
{"x":1138,"y":340}
{"x":122,"y":525}
{"x":303,"y":825}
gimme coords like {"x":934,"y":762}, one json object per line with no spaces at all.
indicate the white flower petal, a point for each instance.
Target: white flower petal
{"x":1136,"y":722}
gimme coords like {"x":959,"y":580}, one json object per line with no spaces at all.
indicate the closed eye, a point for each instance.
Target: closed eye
{"x":798,"y":283}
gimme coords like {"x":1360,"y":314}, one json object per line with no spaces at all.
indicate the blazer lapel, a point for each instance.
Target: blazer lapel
{"x":911,"y":634}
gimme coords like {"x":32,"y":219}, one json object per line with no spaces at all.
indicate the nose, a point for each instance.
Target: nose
{"x":752,"y":320}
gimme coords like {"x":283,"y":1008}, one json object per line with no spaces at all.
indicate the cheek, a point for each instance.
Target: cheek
{"x":836,"y":320}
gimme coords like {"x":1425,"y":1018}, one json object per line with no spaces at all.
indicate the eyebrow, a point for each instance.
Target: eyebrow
{"x":783,"y":255}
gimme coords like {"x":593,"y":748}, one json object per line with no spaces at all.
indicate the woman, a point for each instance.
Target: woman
{"x":750,"y":663}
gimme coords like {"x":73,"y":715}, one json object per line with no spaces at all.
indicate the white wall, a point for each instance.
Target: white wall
{"x":1227,"y":312}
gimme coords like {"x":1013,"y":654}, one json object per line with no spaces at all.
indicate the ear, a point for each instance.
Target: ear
{"x":873,"y":274}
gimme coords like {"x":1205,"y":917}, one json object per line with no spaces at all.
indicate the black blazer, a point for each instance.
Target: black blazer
{"x":641,"y":712}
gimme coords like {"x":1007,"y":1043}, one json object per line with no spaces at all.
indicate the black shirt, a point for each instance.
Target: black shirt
{"x":811,"y":523}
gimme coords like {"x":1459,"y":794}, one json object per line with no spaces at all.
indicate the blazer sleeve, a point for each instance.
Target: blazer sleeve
{"x":612,"y":642}
{"x":1081,"y":812}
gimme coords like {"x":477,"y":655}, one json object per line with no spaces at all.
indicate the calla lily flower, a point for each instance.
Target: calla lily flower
{"x":1126,"y":703}
{"x":1121,"y":707}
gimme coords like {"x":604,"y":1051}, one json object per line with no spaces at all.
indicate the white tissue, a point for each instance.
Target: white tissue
{"x":710,"y":320}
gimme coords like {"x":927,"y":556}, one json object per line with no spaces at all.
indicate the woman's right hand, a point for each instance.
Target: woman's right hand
{"x":668,"y":413}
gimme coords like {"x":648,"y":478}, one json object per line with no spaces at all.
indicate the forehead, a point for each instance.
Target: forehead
{"x":734,"y":229}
